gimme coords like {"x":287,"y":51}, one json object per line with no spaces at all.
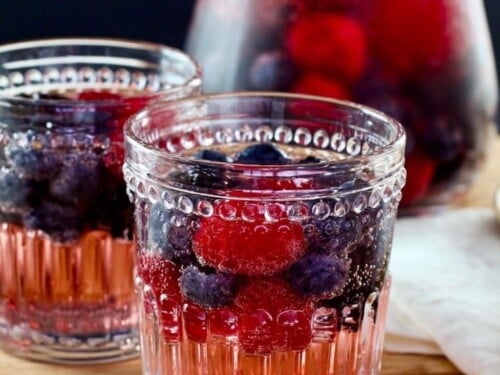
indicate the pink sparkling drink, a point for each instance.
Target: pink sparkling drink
{"x":264,"y":226}
{"x":66,"y":254}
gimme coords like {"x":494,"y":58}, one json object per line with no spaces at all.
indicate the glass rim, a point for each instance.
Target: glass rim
{"x":193,"y":83}
{"x":160,"y":107}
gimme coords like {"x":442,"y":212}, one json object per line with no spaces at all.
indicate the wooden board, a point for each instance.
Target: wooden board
{"x":393,"y":364}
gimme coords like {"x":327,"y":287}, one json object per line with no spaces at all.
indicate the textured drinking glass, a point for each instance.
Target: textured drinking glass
{"x":263,"y":225}
{"x":66,"y":255}
{"x":427,"y":63}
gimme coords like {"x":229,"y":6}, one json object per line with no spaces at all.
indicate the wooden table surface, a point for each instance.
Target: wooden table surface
{"x":393,"y":364}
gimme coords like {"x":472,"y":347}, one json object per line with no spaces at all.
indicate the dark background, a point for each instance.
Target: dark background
{"x":163,"y":21}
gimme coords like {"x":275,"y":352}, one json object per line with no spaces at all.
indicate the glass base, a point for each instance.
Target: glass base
{"x":67,"y":303}
{"x":23,"y":342}
{"x":340,"y":351}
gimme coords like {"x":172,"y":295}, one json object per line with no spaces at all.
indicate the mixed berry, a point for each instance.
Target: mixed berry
{"x":60,"y":164}
{"x":414,"y":60}
{"x":260,"y":279}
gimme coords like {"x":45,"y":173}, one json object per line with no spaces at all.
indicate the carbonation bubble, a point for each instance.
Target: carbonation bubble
{"x":184,"y":204}
{"x":283,"y":134}
{"x":227,"y":211}
{"x":321,"y":210}
{"x":338,"y":142}
{"x":359,"y":204}
{"x":321,"y":139}
{"x":205,"y":208}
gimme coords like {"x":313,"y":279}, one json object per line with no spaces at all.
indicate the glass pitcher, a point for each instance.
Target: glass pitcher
{"x":428,"y":63}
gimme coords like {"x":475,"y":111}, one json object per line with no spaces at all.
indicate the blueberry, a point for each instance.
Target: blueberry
{"x":318,"y":275}
{"x":333,"y":235}
{"x":33,"y":163}
{"x":170,"y":234}
{"x":8,"y":217}
{"x":42,"y":96}
{"x":15,"y":191}
{"x":114,"y":211}
{"x":203,"y":176}
{"x":78,"y":180}
{"x":310,"y":160}
{"x":263,"y":154}
{"x":61,"y":222}
{"x":207,"y":289}
{"x":271,"y":71}
{"x":211,"y":155}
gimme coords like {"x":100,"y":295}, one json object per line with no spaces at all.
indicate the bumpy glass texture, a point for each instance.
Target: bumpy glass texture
{"x":264,"y":226}
{"x":427,"y":63}
{"x":66,"y":255}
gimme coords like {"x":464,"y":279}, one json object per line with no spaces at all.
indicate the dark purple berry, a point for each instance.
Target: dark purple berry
{"x":170,"y":234}
{"x":333,"y":235}
{"x":319,"y":275}
{"x":261,"y":154}
{"x":33,"y":163}
{"x":211,"y":155}
{"x":310,"y":160}
{"x":204,"y":176}
{"x":78,"y":180}
{"x":61,"y":222}
{"x":15,"y":191}
{"x":42,"y":96}
{"x":271,"y":71}
{"x":207,"y":289}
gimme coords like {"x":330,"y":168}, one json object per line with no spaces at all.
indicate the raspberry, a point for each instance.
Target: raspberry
{"x":330,"y":44}
{"x":207,"y":289}
{"x":223,"y":322}
{"x":248,"y":248}
{"x":195,"y":322}
{"x":92,"y":95}
{"x":272,"y":316}
{"x":330,"y":5}
{"x":162,"y":276}
{"x":420,"y":173}
{"x":403,"y":45}
{"x":316,"y":84}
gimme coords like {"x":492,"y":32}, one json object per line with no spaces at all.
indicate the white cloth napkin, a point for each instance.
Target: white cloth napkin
{"x":445,"y":295}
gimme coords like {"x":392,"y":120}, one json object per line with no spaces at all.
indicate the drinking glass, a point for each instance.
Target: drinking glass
{"x":264,"y":225}
{"x":66,"y":255}
{"x":427,"y":63}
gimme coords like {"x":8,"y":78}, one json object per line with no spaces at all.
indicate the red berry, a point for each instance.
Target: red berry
{"x":223,"y":322}
{"x":316,"y":84}
{"x":417,"y":35}
{"x":93,"y":95}
{"x":162,"y":277}
{"x":293,"y":330}
{"x":195,"y":322}
{"x":328,"y":43}
{"x":330,"y":5}
{"x":272,"y":316}
{"x":420,"y":168}
{"x":249,"y":248}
